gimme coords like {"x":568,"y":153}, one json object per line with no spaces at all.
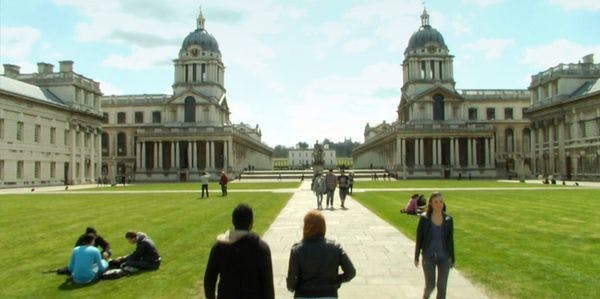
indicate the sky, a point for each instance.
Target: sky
{"x":301,"y":70}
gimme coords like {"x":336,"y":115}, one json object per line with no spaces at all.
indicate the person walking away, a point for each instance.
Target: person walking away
{"x":240,"y":261}
{"x":435,"y":243}
{"x":223,"y":182}
{"x":330,"y":184}
{"x":204,"y":178}
{"x":343,"y":182}
{"x":319,"y":188}
{"x":350,"y":182}
{"x":315,"y":262}
{"x":86,"y":263}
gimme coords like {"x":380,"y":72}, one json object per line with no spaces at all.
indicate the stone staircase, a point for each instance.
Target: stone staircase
{"x":289,"y":175}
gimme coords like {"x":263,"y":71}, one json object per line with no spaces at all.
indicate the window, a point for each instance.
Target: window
{"x":105,"y":118}
{"x":36,"y":135}
{"x":19,"y":169}
{"x":121,"y":144}
{"x":52,"y":169}
{"x":104,"y":144}
{"x":203,"y":74}
{"x":20,"y":130}
{"x":510,"y":141}
{"x":194,"y":72}
{"x":36,"y":171}
{"x":52,"y":135}
{"x":422,"y":69}
{"x":1,"y":128}
{"x":187,"y":76}
{"x":508,"y":113}
{"x":190,"y":110}
{"x":139,"y":117}
{"x":77,"y":139}
{"x":86,"y":139}
{"x":490,"y":113}
{"x":438,"y":107}
{"x":1,"y":169}
{"x":523,"y":112}
{"x":440,"y":72}
{"x":121,"y":119}
{"x":66,"y":137}
{"x":77,"y":169}
{"x":156,"y":117}
{"x":472,"y":113}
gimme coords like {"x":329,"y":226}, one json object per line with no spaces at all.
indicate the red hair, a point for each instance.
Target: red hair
{"x":314,"y":224}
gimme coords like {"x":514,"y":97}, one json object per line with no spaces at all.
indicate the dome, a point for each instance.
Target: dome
{"x":426,"y":34}
{"x":201,"y":38}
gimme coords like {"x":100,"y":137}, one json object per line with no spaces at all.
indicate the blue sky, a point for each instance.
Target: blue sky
{"x":302,"y":70}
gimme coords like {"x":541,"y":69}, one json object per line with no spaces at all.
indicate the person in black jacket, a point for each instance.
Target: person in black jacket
{"x":145,"y":256}
{"x":314,"y":262}
{"x":435,"y":242}
{"x":241,"y":261}
{"x":98,"y":242}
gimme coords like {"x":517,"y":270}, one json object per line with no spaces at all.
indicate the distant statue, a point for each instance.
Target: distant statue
{"x":318,"y":154}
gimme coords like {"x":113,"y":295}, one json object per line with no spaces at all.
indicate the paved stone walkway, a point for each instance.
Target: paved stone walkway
{"x":381,"y":254}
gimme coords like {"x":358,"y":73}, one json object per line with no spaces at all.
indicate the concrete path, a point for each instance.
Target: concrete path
{"x":381,"y":254}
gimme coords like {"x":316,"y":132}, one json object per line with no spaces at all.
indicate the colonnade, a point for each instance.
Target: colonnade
{"x":194,"y":159}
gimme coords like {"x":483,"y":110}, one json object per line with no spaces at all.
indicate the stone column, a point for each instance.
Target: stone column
{"x":439,"y":151}
{"x":475,"y":153}
{"x":416,"y":151}
{"x":207,"y":155}
{"x":434,"y":143}
{"x":143,"y":154}
{"x":160,"y":156}
{"x":92,"y":156}
{"x":138,"y":157}
{"x":212,"y":154}
{"x":403,"y":151}
{"x":493,"y":152}
{"x":225,"y":154}
{"x":470,"y":152}
{"x":177,"y":164}
{"x":194,"y":156}
{"x":487,"y":153}
{"x":452,"y":162}
{"x":562,"y":167}
{"x":421,"y":151}
{"x":532,"y":142}
{"x":230,"y":157}
{"x":155,"y":155}
{"x":172,"y":154}
{"x":189,"y":155}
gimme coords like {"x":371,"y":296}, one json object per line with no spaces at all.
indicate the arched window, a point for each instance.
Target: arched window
{"x":190,"y":110}
{"x":526,"y":140}
{"x":105,"y":144}
{"x":438,"y":107}
{"x":510,"y":140}
{"x":121,"y":144}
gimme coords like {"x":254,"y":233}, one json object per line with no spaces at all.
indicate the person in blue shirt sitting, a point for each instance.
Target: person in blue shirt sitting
{"x":86,"y":264}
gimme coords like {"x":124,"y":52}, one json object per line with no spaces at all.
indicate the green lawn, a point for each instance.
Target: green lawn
{"x":517,"y":243}
{"x":37,"y":233}
{"x":446,"y":184}
{"x":213,"y":186}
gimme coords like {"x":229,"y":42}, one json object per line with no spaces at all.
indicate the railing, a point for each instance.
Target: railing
{"x":566,"y":69}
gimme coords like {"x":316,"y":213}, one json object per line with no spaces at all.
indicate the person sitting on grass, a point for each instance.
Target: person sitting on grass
{"x":98,"y":242}
{"x":145,"y":256}
{"x":86,"y":264}
{"x":411,"y":206}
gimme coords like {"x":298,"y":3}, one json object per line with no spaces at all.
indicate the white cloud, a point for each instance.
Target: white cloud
{"x":492,"y":48}
{"x":558,"y":51}
{"x":357,"y":45}
{"x":17,"y":42}
{"x":577,"y":4}
{"x":109,"y":89}
{"x":141,"y":58}
{"x":483,"y":3}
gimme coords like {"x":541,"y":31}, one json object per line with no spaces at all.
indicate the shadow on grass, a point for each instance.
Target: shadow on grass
{"x":69,"y":285}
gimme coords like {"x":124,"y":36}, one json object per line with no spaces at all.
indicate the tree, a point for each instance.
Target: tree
{"x":280,"y":151}
{"x":302,"y":145}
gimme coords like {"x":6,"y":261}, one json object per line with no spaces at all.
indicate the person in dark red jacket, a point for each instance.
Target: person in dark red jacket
{"x":241,"y":261}
{"x":223,"y":182}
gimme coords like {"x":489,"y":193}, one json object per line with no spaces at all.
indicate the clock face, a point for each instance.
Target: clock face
{"x":431,"y":49}
{"x":195,"y":52}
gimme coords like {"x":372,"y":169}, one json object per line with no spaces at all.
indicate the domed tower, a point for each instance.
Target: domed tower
{"x":427,"y":75}
{"x":199,"y":66}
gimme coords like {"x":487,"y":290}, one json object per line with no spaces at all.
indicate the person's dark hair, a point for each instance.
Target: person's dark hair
{"x":429,"y":207}
{"x":91,"y":230}
{"x":242,"y":217}
{"x":415,"y":195}
{"x":131,"y":234}
{"x":87,"y":239}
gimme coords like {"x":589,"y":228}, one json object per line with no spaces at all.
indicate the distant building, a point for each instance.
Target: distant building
{"x":303,"y":158}
{"x":50,"y":127}
{"x":565,"y":116}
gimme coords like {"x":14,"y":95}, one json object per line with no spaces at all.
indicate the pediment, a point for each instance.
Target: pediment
{"x":200,"y":98}
{"x":427,"y":95}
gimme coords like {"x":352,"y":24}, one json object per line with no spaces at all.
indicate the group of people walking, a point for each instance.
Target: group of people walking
{"x":326,"y":184}
{"x":240,"y":261}
{"x":88,"y":263}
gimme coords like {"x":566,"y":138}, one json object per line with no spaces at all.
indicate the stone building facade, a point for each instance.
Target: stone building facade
{"x":176,"y":137}
{"x":565,"y":115}
{"x":303,"y":158}
{"x":50,"y":127}
{"x":442,"y":131}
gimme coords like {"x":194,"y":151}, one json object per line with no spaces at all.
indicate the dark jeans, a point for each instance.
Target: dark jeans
{"x":443,"y":268}
{"x":223,"y":189}
{"x":143,"y":265}
{"x":343,"y":193}
{"x":329,"y":199}
{"x":204,"y":187}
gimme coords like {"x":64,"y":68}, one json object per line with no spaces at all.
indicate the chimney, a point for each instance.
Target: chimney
{"x":588,"y":58}
{"x":11,"y":70}
{"x":45,"y":68}
{"x":66,"y":66}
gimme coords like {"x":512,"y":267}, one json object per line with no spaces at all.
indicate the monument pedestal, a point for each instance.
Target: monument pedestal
{"x":317,"y":168}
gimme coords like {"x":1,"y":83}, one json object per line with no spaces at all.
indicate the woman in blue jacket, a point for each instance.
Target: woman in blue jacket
{"x":435,"y":242}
